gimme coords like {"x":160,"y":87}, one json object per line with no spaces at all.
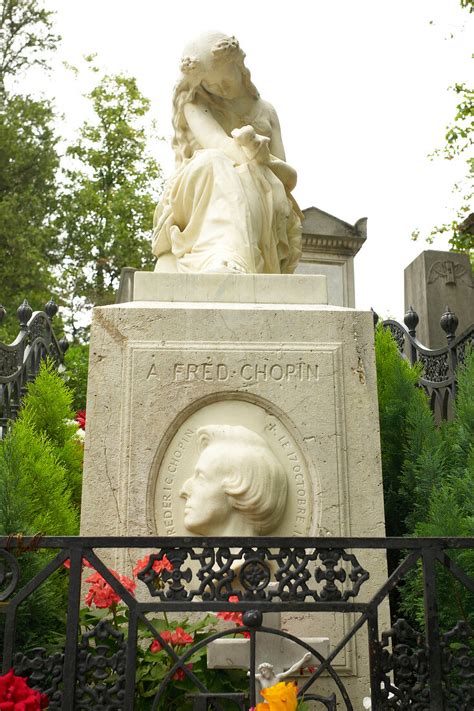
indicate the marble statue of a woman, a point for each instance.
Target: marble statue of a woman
{"x":228,"y":207}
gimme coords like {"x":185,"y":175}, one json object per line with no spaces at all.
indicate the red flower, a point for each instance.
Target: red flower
{"x":85,"y":564}
{"x":177,"y":638}
{"x":156,"y":645}
{"x":235,"y":617}
{"x":179,"y":675}
{"x":81,"y":419}
{"x":180,"y":637}
{"x":101,"y":594}
{"x":158,"y":565}
{"x":16,"y":695}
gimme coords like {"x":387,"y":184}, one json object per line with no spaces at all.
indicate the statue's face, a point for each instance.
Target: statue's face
{"x":224,"y":79}
{"x":267,"y":673}
{"x":207,"y":508}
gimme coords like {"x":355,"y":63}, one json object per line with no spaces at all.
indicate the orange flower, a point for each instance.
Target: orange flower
{"x":281,"y":697}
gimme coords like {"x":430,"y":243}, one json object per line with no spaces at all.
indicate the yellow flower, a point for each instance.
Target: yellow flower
{"x":281,"y":697}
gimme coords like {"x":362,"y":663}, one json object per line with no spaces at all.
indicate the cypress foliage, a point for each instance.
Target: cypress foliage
{"x":76,"y":361}
{"x":444,"y":505}
{"x":401,"y":405}
{"x":40,"y":467}
{"x":428,"y":476}
{"x":48,"y":409}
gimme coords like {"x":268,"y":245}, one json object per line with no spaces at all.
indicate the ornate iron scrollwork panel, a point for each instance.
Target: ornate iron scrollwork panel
{"x":316,"y":574}
{"x":101,"y":669}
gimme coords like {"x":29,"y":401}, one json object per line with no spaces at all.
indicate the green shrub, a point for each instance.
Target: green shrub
{"x":401,"y":404}
{"x":428,"y":476}
{"x":40,"y":481}
{"x":76,"y":361}
{"x":444,"y":505}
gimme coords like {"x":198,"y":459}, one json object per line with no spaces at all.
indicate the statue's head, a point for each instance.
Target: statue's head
{"x":238,"y":487}
{"x":213,"y":70}
{"x":213,"y":59}
{"x":266,"y":670}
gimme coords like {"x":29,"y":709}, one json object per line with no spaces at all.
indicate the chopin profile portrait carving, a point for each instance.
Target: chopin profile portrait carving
{"x":238,"y":486}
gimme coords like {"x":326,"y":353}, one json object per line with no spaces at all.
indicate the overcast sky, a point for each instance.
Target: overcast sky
{"x":360,"y":86}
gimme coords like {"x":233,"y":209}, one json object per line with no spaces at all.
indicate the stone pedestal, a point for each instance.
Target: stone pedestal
{"x":329,"y":248}
{"x":433,"y":281}
{"x":199,"y":351}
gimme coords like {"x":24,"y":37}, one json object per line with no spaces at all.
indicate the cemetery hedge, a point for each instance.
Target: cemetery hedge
{"x":76,"y":361}
{"x":40,"y":490}
{"x":428,"y":475}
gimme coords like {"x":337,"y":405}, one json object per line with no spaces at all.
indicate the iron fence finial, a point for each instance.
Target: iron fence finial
{"x":24,"y":313}
{"x":51,"y":309}
{"x":449,"y":323}
{"x":411,"y":320}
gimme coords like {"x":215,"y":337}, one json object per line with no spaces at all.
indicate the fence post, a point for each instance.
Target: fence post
{"x":374,"y":659}
{"x":411,"y":320}
{"x":449,"y":323}
{"x":70,"y":652}
{"x":435,"y":668}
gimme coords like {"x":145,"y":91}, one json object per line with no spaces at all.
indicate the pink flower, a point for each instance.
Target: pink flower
{"x":158,"y":565}
{"x":16,"y":695}
{"x":101,"y":594}
{"x":235,"y":617}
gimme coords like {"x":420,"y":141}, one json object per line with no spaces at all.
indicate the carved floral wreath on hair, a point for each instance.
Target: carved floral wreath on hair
{"x":226,"y":47}
{"x":188,"y":64}
{"x":223,"y":50}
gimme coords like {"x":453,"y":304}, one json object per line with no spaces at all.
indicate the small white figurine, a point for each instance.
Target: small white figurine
{"x":266,"y":677}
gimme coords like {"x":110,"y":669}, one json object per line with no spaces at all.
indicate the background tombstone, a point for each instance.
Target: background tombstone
{"x":433,"y":281}
{"x":329,"y":247}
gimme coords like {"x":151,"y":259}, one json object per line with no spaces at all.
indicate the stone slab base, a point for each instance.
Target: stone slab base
{"x":230,"y":288}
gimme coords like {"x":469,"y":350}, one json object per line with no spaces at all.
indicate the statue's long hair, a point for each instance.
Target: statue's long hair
{"x":188,"y":89}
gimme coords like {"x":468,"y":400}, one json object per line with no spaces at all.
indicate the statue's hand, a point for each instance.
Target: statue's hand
{"x":306,"y":657}
{"x":255,"y":147}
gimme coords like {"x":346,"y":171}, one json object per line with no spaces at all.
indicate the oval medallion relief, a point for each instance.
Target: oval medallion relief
{"x":232,"y":469}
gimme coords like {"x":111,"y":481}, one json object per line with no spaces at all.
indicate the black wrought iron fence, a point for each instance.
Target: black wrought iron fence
{"x":20,"y":360}
{"x":439,"y":365}
{"x":100,"y":663}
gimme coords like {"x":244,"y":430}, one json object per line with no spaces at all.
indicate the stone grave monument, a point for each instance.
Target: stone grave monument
{"x":433,"y":281}
{"x":227,"y":397}
{"x":329,"y":246}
